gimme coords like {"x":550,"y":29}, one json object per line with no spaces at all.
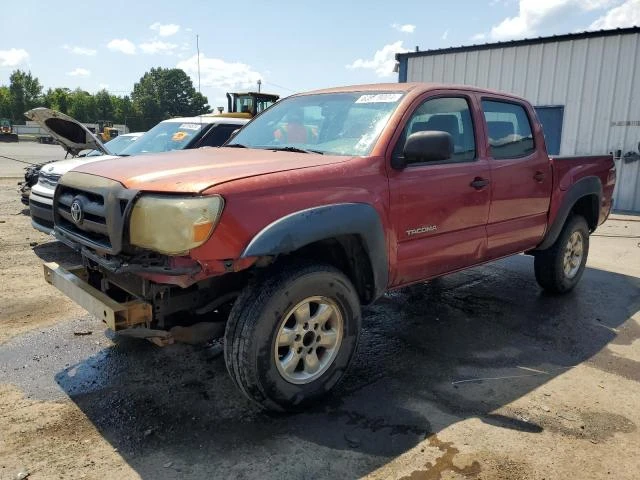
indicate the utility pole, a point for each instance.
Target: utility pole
{"x":259,"y":85}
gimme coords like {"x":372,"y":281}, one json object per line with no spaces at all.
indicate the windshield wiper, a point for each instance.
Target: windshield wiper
{"x":236,"y":145}
{"x":295,"y":149}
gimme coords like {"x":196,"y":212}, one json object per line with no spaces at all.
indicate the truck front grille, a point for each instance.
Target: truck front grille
{"x":92,"y":211}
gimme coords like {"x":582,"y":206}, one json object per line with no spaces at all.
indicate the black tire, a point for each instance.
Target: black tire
{"x":549,"y":263}
{"x":256,"y":318}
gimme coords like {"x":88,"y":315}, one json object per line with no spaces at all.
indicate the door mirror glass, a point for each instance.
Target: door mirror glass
{"x":427,"y":146}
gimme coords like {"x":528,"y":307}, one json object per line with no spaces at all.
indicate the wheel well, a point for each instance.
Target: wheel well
{"x":587,"y":207}
{"x":348,"y":254}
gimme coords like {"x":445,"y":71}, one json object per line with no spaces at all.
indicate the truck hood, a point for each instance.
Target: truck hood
{"x":196,"y":170}
{"x":71,"y":134}
{"x":63,"y":166}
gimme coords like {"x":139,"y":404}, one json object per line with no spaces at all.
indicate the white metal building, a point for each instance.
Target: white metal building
{"x":585,"y":87}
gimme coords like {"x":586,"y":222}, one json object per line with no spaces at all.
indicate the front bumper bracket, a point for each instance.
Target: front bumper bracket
{"x":118,"y":316}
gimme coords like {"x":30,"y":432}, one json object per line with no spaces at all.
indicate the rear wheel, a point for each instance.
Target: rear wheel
{"x":559,"y":268}
{"x":292,"y":334}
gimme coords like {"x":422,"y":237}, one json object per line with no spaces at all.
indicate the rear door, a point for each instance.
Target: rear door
{"x":521,"y":177}
{"x":439,"y":216}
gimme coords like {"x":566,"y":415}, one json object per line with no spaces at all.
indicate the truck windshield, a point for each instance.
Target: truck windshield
{"x":115,"y":146}
{"x":166,"y":136}
{"x":335,"y":123}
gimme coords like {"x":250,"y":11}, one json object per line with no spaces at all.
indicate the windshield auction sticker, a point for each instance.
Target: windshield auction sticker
{"x":379,"y":98}
{"x":189,"y":126}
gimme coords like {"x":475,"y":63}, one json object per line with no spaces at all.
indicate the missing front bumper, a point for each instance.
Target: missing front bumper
{"x":117,"y":316}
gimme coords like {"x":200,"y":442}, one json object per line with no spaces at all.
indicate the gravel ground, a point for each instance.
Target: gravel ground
{"x":476,"y":375}
{"x":29,"y":152}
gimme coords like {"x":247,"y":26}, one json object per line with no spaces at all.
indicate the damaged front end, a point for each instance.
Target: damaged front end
{"x":125,"y":285}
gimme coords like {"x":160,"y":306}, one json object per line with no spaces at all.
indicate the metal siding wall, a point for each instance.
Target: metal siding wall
{"x":520,"y":70}
{"x":508,"y":69}
{"x":596,"y":79}
{"x":547,"y":74}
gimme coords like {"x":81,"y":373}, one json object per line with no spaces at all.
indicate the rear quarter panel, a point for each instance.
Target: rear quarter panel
{"x":568,"y":170}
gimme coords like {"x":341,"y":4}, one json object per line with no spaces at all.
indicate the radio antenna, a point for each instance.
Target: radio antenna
{"x":198,"y":50}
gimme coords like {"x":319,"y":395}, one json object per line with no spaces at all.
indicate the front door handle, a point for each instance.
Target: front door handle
{"x":479,"y":183}
{"x":539,"y":176}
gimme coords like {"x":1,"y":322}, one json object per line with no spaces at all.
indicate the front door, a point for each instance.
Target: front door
{"x":521,"y":179}
{"x":440,"y":209}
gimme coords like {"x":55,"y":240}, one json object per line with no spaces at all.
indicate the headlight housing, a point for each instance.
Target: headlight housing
{"x":173,"y":225}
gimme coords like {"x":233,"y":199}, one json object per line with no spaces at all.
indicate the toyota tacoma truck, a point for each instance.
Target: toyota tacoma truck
{"x":319,"y":205}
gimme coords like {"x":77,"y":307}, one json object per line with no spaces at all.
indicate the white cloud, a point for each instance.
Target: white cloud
{"x":90,"y":52}
{"x":383,"y":61}
{"x":406,"y":28}
{"x":13,"y":57}
{"x":625,"y":15}
{"x":165,"y":30}
{"x":217,"y":73}
{"x":122,"y":45}
{"x":478,"y":37}
{"x":445,"y":34}
{"x":79,"y":72}
{"x":158,"y":47}
{"x":532,"y":14}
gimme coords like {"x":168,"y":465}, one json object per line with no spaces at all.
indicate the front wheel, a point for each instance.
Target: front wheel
{"x":559,"y":268}
{"x":292,"y":334}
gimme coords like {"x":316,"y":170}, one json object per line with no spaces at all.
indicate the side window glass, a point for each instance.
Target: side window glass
{"x":509,"y":129}
{"x":446,"y":114}
{"x":218,"y":135}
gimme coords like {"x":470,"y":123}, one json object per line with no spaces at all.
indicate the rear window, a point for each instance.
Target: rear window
{"x":509,"y":129}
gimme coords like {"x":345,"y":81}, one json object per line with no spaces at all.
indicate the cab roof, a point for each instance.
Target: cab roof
{"x":406,"y":87}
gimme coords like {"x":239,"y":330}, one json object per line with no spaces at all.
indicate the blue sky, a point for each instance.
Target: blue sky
{"x":290,"y":45}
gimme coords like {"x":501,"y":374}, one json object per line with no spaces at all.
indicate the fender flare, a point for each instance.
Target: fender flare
{"x":304,"y":227}
{"x":583,"y":187}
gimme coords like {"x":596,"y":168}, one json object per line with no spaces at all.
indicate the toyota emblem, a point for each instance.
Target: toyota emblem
{"x":76,"y":212}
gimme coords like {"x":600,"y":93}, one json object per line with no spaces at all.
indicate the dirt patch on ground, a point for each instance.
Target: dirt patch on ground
{"x":36,"y":430}
{"x":27,"y":302}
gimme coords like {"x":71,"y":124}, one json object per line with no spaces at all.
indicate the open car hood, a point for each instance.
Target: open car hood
{"x":71,"y":134}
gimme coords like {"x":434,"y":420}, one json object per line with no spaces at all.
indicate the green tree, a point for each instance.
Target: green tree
{"x":104,"y":105}
{"x":125,"y":113}
{"x":166,"y":92}
{"x":25,"y":93}
{"x":57,"y":99}
{"x":5,"y":102}
{"x":82,"y":106}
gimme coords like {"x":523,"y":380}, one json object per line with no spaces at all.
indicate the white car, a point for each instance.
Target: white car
{"x":173,"y":134}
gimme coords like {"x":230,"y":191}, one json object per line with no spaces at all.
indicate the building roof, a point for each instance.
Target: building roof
{"x":525,"y":41}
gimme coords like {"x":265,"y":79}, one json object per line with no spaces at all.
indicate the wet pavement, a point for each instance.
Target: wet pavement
{"x":430,"y":356}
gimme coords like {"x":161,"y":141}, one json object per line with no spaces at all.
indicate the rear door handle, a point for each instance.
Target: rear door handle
{"x":479,"y":183}
{"x":539,"y":176}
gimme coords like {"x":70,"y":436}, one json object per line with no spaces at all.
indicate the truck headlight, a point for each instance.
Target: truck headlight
{"x":173,"y":225}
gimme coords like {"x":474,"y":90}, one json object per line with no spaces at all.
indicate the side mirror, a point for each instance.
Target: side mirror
{"x":234,"y":133}
{"x":427,"y":146}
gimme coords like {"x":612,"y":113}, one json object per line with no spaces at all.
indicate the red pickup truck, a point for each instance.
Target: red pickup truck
{"x":322,"y":203}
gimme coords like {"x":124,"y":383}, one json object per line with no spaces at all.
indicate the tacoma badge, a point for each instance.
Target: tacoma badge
{"x":425,"y":229}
